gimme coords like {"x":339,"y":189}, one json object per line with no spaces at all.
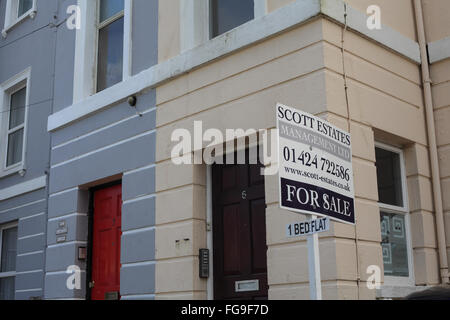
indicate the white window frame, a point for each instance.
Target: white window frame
{"x":404,"y":210}
{"x":2,"y":228}
{"x":86,"y":49}
{"x":9,"y":87}
{"x":11,"y":15}
{"x":195,"y":21}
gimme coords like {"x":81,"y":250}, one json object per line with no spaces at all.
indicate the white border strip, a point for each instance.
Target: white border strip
{"x":67,"y":216}
{"x":32,"y":236}
{"x":138,"y":264}
{"x":66,"y":244}
{"x":23,"y":205}
{"x":247,"y":34}
{"x":103,"y":148}
{"x":136,"y":231}
{"x":30,"y":253}
{"x":439,"y":50}
{"x":32,"y":216}
{"x":29,"y":272}
{"x":29,"y":290}
{"x":22,"y":188}
{"x":139,"y":198}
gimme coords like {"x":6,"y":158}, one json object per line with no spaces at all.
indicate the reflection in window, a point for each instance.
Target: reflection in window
{"x":110,"y":43}
{"x":394,"y":245}
{"x":24,"y":7}
{"x":229,"y":14}
{"x":16,"y":127}
{"x":393,"y":214}
{"x":389,"y":178}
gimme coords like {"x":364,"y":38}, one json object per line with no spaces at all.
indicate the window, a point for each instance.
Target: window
{"x":8,"y":253}
{"x":394,"y":217}
{"x":110,"y":43}
{"x":103,"y":46}
{"x":14,"y":102}
{"x":201,"y":20}
{"x":17,"y":11}
{"x":16,"y":127}
{"x":23,"y":7}
{"x":229,"y":14}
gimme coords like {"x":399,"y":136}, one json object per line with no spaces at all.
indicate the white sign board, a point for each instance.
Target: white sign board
{"x":307,"y":228}
{"x":315,"y":172}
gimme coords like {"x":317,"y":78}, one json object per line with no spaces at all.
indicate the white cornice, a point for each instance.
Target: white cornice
{"x":439,"y":50}
{"x":247,"y":34}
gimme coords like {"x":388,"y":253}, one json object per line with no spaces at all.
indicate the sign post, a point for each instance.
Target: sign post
{"x":315,"y":288}
{"x":315,"y":178}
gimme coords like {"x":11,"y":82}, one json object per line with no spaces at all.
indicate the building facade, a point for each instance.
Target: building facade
{"x":99,"y":206}
{"x":27,"y":57}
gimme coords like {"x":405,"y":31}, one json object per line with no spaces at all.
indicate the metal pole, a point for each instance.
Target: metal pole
{"x":315,"y":287}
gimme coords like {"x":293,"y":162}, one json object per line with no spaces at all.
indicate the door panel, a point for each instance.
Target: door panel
{"x":107,"y":231}
{"x":232,"y":241}
{"x":259,"y":236}
{"x":239,"y":231}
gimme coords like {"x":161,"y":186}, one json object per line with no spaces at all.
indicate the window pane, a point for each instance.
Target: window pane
{"x":110,"y":55}
{"x":15,"y":147}
{"x":7,"y":288}
{"x":24,"y":6}
{"x":109,"y":8}
{"x":389,"y":177}
{"x":394,"y":245}
{"x":9,"y":250}
{"x":228,"y":14}
{"x":17,"y":114}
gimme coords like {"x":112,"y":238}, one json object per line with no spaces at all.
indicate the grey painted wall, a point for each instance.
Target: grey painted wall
{"x":31,"y":44}
{"x":113,"y":144}
{"x":123,"y":145}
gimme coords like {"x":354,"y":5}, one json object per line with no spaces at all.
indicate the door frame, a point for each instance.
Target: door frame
{"x":209,"y":233}
{"x":91,"y":232}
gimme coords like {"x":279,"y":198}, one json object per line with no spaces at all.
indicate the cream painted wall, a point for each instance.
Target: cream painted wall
{"x":398,"y":14}
{"x":306,"y":70}
{"x":272,"y":5}
{"x":440,"y":75}
{"x":233,"y":92}
{"x":437,"y":19}
{"x":385,"y":100}
{"x":437,"y":27}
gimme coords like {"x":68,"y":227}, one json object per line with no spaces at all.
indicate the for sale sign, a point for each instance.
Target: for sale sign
{"x":315,"y":172}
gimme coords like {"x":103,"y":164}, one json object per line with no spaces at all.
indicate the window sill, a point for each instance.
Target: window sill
{"x":13,"y":170}
{"x":398,"y":292}
{"x":30,"y":14}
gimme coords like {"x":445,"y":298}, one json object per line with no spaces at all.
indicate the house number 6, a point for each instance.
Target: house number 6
{"x":244,"y":195}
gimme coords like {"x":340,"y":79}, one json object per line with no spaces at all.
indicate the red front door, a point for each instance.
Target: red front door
{"x":106,"y":243}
